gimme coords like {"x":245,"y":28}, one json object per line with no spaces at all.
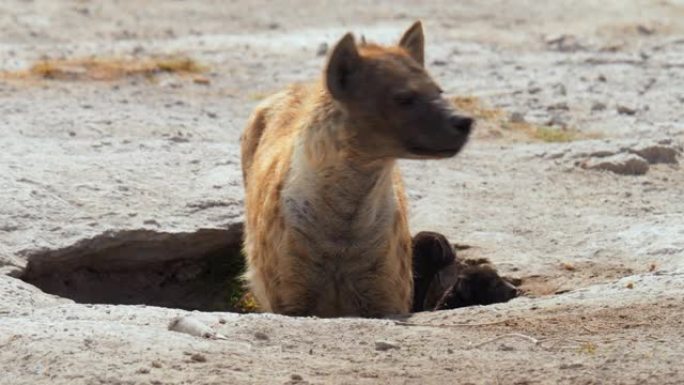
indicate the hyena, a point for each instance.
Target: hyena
{"x":444,"y":281}
{"x":326,"y":230}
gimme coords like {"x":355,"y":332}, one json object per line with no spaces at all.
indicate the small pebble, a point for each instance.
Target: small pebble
{"x":199,"y":79}
{"x":322,"y":49}
{"x":560,"y":89}
{"x":191,"y":326}
{"x":598,"y":106}
{"x":261,"y":336}
{"x":506,"y":348}
{"x":534,"y":90}
{"x":385,"y":345}
{"x":624,"y":110}
{"x":517,"y":117}
{"x":198,"y":357}
{"x":557,"y":121}
{"x":559,"y":106}
{"x":623,"y":164}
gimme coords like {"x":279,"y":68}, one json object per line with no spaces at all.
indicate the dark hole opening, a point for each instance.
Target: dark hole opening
{"x":197,"y":270}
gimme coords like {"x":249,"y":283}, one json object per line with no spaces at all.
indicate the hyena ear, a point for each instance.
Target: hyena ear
{"x":413,"y":41}
{"x":344,"y":62}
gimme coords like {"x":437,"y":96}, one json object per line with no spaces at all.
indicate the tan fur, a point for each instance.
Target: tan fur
{"x":331,"y":277}
{"x":326,"y":229}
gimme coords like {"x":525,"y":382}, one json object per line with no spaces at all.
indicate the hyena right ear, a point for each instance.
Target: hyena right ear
{"x":413,"y":41}
{"x":343,"y":63}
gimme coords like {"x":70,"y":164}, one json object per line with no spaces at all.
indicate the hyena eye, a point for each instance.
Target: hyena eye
{"x":405,"y":98}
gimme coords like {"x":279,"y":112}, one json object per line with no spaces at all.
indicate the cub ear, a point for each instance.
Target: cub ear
{"x":413,"y":41}
{"x":343,"y":63}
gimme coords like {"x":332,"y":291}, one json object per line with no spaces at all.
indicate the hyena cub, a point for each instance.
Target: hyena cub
{"x":443,"y":281}
{"x":326,"y":229}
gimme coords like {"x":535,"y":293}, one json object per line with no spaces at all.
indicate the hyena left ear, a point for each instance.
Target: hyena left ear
{"x":413,"y":41}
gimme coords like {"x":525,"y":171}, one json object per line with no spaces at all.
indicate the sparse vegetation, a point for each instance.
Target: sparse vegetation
{"x":550,"y":134}
{"x":257,"y":96}
{"x":223,"y":272}
{"x":587,"y":347}
{"x":495,"y":122}
{"x":474,"y":106}
{"x":108,"y":68}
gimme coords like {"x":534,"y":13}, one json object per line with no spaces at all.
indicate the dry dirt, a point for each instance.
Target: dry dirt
{"x":120,"y":184}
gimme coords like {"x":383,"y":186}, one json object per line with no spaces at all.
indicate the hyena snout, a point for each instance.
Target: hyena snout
{"x":442,"y":137}
{"x":461,"y":124}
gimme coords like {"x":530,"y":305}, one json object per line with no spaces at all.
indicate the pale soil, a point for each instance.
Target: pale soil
{"x":601,"y":254}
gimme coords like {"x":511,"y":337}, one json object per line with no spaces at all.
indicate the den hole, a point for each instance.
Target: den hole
{"x":201,"y":270}
{"x":197,"y":270}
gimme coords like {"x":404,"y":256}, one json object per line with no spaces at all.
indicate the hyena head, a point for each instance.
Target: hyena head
{"x":393,"y":107}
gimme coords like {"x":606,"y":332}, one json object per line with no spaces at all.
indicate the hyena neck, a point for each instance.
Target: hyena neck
{"x":336,"y":190}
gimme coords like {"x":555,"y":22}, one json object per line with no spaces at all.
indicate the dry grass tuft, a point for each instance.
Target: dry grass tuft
{"x":244,"y":304}
{"x":474,"y":107}
{"x":107,"y":69}
{"x":258,"y":96}
{"x":496,"y":123}
{"x":555,"y":135}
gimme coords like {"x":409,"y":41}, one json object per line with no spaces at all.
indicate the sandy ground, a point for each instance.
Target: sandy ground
{"x":103,"y":177}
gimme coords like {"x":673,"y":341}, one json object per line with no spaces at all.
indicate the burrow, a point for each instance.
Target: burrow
{"x":197,"y":270}
{"x":201,"y":270}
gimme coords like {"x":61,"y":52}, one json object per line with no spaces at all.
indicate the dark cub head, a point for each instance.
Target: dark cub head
{"x":393,"y":106}
{"x":431,"y":253}
{"x":477,"y":285}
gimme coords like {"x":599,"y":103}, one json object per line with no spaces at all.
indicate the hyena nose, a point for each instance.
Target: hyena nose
{"x":461,"y":124}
